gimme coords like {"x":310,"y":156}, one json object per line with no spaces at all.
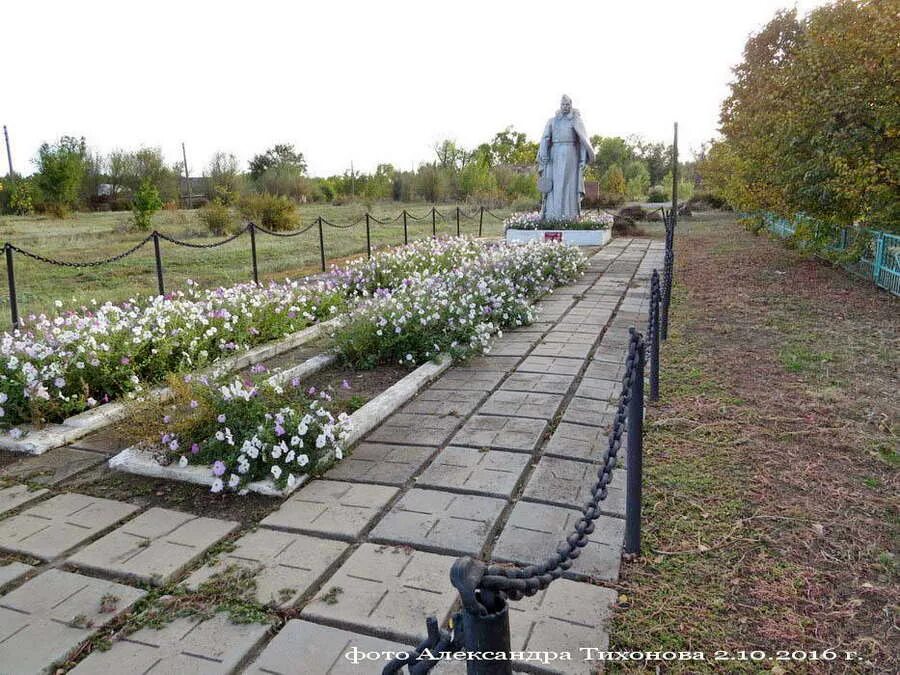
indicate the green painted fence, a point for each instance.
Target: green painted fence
{"x":880,"y":258}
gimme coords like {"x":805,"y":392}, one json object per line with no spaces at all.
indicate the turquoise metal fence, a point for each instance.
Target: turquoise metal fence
{"x":879,"y":261}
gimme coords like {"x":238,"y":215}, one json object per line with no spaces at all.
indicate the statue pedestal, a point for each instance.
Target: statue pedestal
{"x":573,"y":237}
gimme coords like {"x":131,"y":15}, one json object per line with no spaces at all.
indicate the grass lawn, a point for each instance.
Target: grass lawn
{"x":771,"y":465}
{"x":91,"y":236}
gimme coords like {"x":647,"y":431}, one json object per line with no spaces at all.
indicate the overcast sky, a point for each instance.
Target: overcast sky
{"x":368,"y":82}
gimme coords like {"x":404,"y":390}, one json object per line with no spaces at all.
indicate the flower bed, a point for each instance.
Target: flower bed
{"x":455,"y":312}
{"x":533,"y":221}
{"x":56,"y":367}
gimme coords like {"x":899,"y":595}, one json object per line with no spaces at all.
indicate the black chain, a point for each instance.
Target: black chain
{"x":510,"y":583}
{"x":293,"y":233}
{"x":91,"y":263}
{"x":341,"y":227}
{"x":436,"y":642}
{"x":188,"y":244}
{"x":494,"y":215}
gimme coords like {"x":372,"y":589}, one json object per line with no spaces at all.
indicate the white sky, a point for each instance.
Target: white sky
{"x":376,"y":81}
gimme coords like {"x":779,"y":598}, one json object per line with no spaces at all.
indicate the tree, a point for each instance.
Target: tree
{"x":60,"y":172}
{"x":512,"y":147}
{"x":144,"y":204}
{"x":450,"y":156}
{"x":224,"y":178}
{"x":281,"y":156}
{"x":610,"y":150}
{"x":119,"y":166}
{"x":613,"y":181}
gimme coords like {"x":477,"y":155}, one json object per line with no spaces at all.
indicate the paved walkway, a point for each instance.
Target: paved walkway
{"x":494,"y":460}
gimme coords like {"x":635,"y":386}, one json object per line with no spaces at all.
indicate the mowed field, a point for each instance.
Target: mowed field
{"x":92,"y":236}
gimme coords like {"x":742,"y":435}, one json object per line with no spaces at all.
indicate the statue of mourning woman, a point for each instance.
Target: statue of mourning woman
{"x":563,"y":153}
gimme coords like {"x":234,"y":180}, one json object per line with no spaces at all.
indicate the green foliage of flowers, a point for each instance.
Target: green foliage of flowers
{"x":455,"y":312}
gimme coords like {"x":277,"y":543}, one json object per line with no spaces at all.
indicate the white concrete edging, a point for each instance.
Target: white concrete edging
{"x":573,"y":237}
{"x":38,"y":441}
{"x":144,"y":463}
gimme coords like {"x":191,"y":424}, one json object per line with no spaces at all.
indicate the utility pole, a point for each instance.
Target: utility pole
{"x":8,"y":153}
{"x":675,"y":174}
{"x":187,"y":177}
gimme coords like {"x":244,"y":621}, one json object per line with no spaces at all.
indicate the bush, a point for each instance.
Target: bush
{"x":218,"y":218}
{"x":21,"y":200}
{"x":604,"y":200}
{"x":657,"y":195}
{"x":707,"y":200}
{"x":633,"y":212}
{"x":144,"y":204}
{"x":273,"y":212}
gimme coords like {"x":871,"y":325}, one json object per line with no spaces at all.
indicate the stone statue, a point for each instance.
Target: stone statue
{"x":563,"y":152}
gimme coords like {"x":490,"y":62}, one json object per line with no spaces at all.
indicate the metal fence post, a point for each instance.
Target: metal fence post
{"x":11,"y":278}
{"x":405,"y":231}
{"x":159,"y":268}
{"x":252,"y":229}
{"x":653,"y":335}
{"x":480,"y":221}
{"x":457,"y":222}
{"x":667,"y":277}
{"x":433,"y":222}
{"x":321,"y":243}
{"x":879,"y":254}
{"x":482,"y":631}
{"x":368,"y":238}
{"x":635,"y":456}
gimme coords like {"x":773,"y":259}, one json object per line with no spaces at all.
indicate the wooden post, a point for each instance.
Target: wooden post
{"x":187,"y":178}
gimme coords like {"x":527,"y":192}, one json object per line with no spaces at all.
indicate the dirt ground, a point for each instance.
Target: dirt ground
{"x":771,"y":482}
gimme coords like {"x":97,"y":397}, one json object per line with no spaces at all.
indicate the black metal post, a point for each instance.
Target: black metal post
{"x":635,"y":457}
{"x":457,"y":221}
{"x":405,"y":231}
{"x":487,"y":634}
{"x":653,"y":334}
{"x":368,"y":238}
{"x":11,"y":278}
{"x":252,"y":229}
{"x":433,"y":222}
{"x":480,"y":221}
{"x":321,"y":243}
{"x":160,"y":286}
{"x":668,"y":270}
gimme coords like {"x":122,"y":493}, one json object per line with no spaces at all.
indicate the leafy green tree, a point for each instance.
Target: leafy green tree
{"x":511,"y":147}
{"x":145,"y":202}
{"x":225,"y":179}
{"x":281,"y":156}
{"x":60,"y":172}
{"x":613,"y":181}
{"x":610,"y":150}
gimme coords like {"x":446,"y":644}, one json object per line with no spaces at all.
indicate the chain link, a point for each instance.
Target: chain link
{"x":69,"y":263}
{"x":188,"y":244}
{"x":294,"y":233}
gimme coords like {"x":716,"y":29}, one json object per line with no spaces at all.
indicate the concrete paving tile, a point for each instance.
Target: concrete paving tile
{"x":498,"y":363}
{"x":569,"y":337}
{"x":44,"y":619}
{"x":522,"y":404}
{"x":589,"y":412}
{"x":610,"y":367}
{"x":469,"y":378}
{"x":155,"y":547}
{"x":415,"y":429}
{"x":566,"y":482}
{"x":387,"y":590}
{"x":381,"y":463}
{"x":550,"y":365}
{"x":577,"y":441}
{"x":457,"y":403}
{"x":331,"y":508}
{"x":501,"y":433}
{"x":12,"y":572}
{"x":538,"y":382}
{"x":567,"y":616}
{"x":533,"y":532}
{"x":506,"y":346}
{"x":285,"y":565}
{"x":188,"y":645}
{"x":14,"y":496}
{"x":600,"y":390}
{"x":572,"y":350}
{"x":488,"y":472}
{"x":53,"y":527}
{"x":52,"y":467}
{"x":442,"y":522}
{"x":322,"y":650}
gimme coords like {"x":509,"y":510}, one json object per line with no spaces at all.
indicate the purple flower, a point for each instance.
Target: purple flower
{"x":258,"y":368}
{"x":166,"y":419}
{"x":218,"y":467}
{"x":125,"y":361}
{"x":295,"y":382}
{"x":195,"y":448}
{"x":345,"y":384}
{"x":194,"y":404}
{"x":279,"y":430}
{"x":311,"y":391}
